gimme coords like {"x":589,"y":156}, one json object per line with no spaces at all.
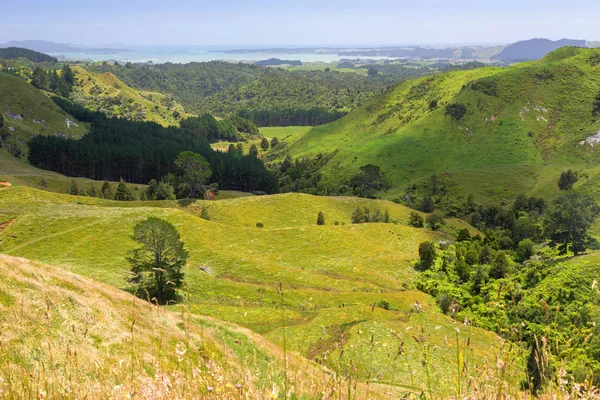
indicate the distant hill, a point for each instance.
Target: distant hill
{"x":276,"y":61}
{"x":11,"y":53}
{"x":106,"y":93}
{"x":535,"y":49}
{"x":51,"y":47}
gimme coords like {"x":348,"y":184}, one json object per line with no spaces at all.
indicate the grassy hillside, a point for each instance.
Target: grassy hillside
{"x":107,"y":93}
{"x":343,"y":304}
{"x":27,"y":112}
{"x":65,"y":336}
{"x":523,"y":126}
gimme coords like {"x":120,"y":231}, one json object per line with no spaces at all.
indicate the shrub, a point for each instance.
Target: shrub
{"x":435,"y":220}
{"x":463,"y":235}
{"x":416,"y":220}
{"x":260,"y":225}
{"x":500,"y":265}
{"x":445,"y":302}
{"x":383,"y":304}
{"x":427,"y":255}
{"x":525,"y":250}
{"x":321,"y":218}
{"x":204,"y":213}
{"x":457,"y":111}
{"x":567,"y":180}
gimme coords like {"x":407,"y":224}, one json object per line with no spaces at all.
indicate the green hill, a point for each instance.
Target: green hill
{"x":106,"y":93}
{"x":523,"y":126}
{"x":345,"y":300}
{"x":28,"y":112}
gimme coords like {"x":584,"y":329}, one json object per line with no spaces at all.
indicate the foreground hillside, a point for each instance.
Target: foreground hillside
{"x":342,"y":304}
{"x":519,"y":128}
{"x":27,"y":111}
{"x":106,"y":93}
{"x":65,"y":336}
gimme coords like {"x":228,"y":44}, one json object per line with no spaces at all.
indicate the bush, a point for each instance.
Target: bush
{"x":445,"y":302}
{"x":435,"y":220}
{"x":260,"y":225}
{"x":525,"y":250}
{"x":416,"y":220}
{"x":321,"y":218}
{"x":567,"y":180}
{"x":456,"y":111}
{"x":500,"y":266}
{"x":383,"y":304}
{"x":427,"y":255}
{"x":204,"y":213}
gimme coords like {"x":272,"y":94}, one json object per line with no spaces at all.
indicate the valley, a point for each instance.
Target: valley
{"x":358,"y":230}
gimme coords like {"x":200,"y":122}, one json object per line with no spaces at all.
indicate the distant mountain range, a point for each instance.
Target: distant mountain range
{"x":535,"y":49}
{"x":51,"y":47}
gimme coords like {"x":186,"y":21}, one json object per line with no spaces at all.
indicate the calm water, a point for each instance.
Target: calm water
{"x":186,"y":55}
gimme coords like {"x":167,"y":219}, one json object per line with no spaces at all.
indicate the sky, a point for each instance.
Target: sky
{"x":300,"y":22}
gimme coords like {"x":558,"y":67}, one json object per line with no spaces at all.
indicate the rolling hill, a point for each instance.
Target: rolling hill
{"x":345,"y":303}
{"x":106,"y":93}
{"x":522,"y":126}
{"x":77,"y":338}
{"x":27,"y":112}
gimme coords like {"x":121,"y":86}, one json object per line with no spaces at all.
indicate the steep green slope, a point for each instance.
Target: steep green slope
{"x":108,"y":94}
{"x":343,"y":301}
{"x":28,"y":112}
{"x":523,"y":125}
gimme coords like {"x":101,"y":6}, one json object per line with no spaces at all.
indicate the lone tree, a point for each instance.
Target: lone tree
{"x":321,"y":218}
{"x":427,"y":255}
{"x":274,"y":142}
{"x":193,"y":173}
{"x":369,"y":180}
{"x":156,"y":265}
{"x":568,"y":220}
{"x":567,"y":180}
{"x":264,"y":144}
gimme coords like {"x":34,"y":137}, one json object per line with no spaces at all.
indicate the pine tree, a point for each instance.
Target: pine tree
{"x":321,"y":218}
{"x":427,"y":255}
{"x":264,"y":144}
{"x":106,"y":190}
{"x":74,"y":188}
{"x":253,"y":151}
{"x":123,"y":193}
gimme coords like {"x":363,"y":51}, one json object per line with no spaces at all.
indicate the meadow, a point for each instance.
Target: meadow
{"x":337,"y":293}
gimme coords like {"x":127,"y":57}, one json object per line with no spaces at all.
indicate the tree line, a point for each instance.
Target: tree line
{"x":140,"y":151}
{"x":51,"y":81}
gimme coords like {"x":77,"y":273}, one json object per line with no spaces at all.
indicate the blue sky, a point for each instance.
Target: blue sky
{"x":301,"y":22}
